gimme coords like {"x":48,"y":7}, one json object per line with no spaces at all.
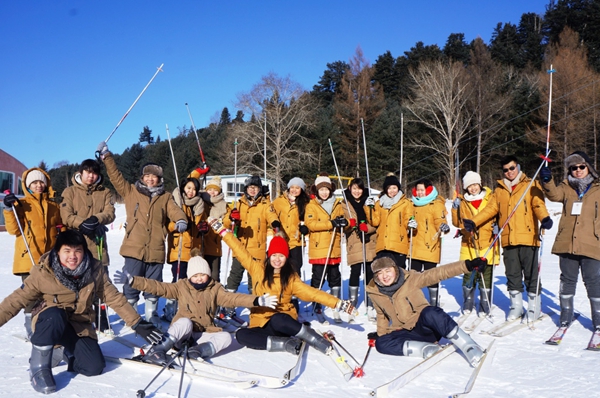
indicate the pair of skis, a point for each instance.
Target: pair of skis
{"x":509,"y":327}
{"x":557,"y":337}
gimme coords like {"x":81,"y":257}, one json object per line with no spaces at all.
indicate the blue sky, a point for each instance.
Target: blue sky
{"x":71,"y":69}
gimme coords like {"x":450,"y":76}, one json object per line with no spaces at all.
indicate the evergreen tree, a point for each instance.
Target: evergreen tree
{"x":146,"y":136}
{"x":531,"y":39}
{"x":504,"y":45}
{"x":225,"y":117}
{"x":385,"y":73}
{"x":329,"y":83}
{"x":456,"y":48}
{"x":239,"y":117}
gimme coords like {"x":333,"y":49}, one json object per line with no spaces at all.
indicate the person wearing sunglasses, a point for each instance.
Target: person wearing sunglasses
{"x":520,"y":237}
{"x":577,"y":242}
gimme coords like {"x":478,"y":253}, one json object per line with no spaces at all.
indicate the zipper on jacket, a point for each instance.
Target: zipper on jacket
{"x":411,"y":306}
{"x":137,"y":205}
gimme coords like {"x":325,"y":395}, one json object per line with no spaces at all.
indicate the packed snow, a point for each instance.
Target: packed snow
{"x":523,"y":366}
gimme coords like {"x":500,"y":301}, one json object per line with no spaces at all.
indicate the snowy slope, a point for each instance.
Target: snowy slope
{"x":523,"y":366}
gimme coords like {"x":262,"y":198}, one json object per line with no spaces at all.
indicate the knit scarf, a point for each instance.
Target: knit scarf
{"x":391,"y":289}
{"x":219,"y":206}
{"x":189,"y":202}
{"x":580,"y":185}
{"x":357,"y":204}
{"x":511,"y":184}
{"x":327,"y":205}
{"x":72,"y":279}
{"x":150,"y":192}
{"x":386,"y":202}
{"x":425,"y":200}
{"x":479,"y":196}
{"x":200,"y":286}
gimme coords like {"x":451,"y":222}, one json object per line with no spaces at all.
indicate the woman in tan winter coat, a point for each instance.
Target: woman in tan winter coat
{"x":577,"y":241}
{"x":64,"y":286}
{"x":427,"y":220}
{"x":39,"y":217}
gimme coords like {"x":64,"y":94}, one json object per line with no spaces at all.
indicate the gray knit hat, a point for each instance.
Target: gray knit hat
{"x":297,"y":181}
{"x":579,"y":157}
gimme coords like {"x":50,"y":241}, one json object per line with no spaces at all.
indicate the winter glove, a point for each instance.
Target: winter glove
{"x":9,"y":200}
{"x":412,"y":223}
{"x":235,"y":215}
{"x":122,"y":278}
{"x":181,"y":226}
{"x":202,"y":227}
{"x":353,"y":222}
{"x":372,"y":336}
{"x":100,"y":231}
{"x":444,"y":228}
{"x":102,"y":149}
{"x":547,"y":223}
{"x":217,"y":226}
{"x":477,"y":264}
{"x":456,"y":204}
{"x":370,"y":201}
{"x":275,"y":224}
{"x":148,"y":332}
{"x":495,"y":229}
{"x":545,"y":174}
{"x":266,"y":300}
{"x":303,"y":229}
{"x":339,"y":222}
{"x":363,"y":227}
{"x":346,"y":306}
{"x":88,"y":226}
{"x":203,"y":170}
{"x":469,"y":225}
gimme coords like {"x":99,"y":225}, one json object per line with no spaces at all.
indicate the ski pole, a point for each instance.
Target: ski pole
{"x":337,"y":171}
{"x":142,"y":393}
{"x":364,"y":268}
{"x":185,"y":351}
{"x":180,"y":248}
{"x":196,"y":134}
{"x":410,"y":244}
{"x":550,"y":72}
{"x":371,"y":345}
{"x":474,"y":242}
{"x":325,"y":265}
{"x":159,"y":69}
{"x":537,"y":287}
{"x":358,"y":371}
{"x":23,"y":234}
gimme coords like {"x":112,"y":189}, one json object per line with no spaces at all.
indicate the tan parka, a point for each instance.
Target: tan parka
{"x":318,"y":223}
{"x":523,"y":228}
{"x":485,"y":233}
{"x":577,"y":235}
{"x":354,"y":244}
{"x":217,"y":208}
{"x":42,"y":286}
{"x":289,"y":217}
{"x":255,"y":220}
{"x":403,"y":309}
{"x":391,"y":226}
{"x":427,"y":238}
{"x":199,"y":306}
{"x":80,"y":202}
{"x":147,"y":218}
{"x":39,"y":216}
{"x":259,"y":316}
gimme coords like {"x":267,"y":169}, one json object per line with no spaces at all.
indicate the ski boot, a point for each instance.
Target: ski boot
{"x":151,"y":312}
{"x":484,"y":301}
{"x":469,"y":300}
{"x":202,"y":351}
{"x":158,"y":353}
{"x":40,"y":369}
{"x":27,"y":324}
{"x":169,"y":310}
{"x":287,"y":344}
{"x":335,"y":291}
{"x":516,"y":305}
{"x":433,"y":296}
{"x":314,"y":339}
{"x":353,"y":294}
{"x":466,"y":344}
{"x":534,"y":305}
{"x":566,"y":310}
{"x":420,"y":349}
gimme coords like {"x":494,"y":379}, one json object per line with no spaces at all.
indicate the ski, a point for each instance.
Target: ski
{"x":515,"y":328}
{"x":295,"y":370}
{"x":412,"y":373}
{"x":490,"y":351}
{"x":557,"y":337}
{"x":473,"y":325}
{"x":338,"y":359}
{"x":238,"y":384}
{"x":594,"y":344}
{"x":463,"y":318}
{"x":500,"y":326}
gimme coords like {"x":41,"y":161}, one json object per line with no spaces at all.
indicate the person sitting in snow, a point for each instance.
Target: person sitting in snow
{"x":198,"y":297}
{"x":64,"y":285}
{"x":406,"y":323}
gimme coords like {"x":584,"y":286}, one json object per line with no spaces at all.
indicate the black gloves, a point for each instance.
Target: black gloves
{"x":547,"y":223}
{"x":100,"y":231}
{"x":89,"y":225}
{"x":372,"y":336}
{"x":444,"y":228}
{"x":469,"y":225}
{"x":477,"y":264}
{"x":203,"y":228}
{"x":304,"y":230}
{"x":275,"y":224}
{"x":545,"y":174}
{"x":9,"y":200}
{"x":148,"y":332}
{"x":339,"y":222}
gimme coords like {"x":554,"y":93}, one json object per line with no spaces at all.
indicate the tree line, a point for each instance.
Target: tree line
{"x":458,"y":108}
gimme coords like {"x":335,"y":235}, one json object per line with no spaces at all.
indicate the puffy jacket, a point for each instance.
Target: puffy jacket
{"x":147,"y":218}
{"x":403,"y":309}
{"x":259,"y":316}
{"x":255,"y":220}
{"x":485,"y":235}
{"x":39,"y":216}
{"x":289,"y":217}
{"x":191,"y":237}
{"x":80,"y":202}
{"x":391,"y":226}
{"x":216,"y":207}
{"x":354,"y":244}
{"x":523,"y":228}
{"x":199,"y":306}
{"x":43,"y":287}
{"x":577,"y":235}
{"x":427,"y":242}
{"x":318,"y":223}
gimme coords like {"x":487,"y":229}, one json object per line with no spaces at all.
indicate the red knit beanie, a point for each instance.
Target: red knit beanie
{"x":278,"y":245}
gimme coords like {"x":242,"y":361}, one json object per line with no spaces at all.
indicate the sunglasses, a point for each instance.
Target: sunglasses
{"x":580,"y":167}
{"x":511,"y":168}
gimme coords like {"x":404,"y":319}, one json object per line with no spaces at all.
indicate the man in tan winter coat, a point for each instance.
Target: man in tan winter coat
{"x":149,"y":209}
{"x":63,"y":286}
{"x":520,"y":237}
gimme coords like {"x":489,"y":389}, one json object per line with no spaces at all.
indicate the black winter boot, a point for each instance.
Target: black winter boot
{"x":40,"y":369}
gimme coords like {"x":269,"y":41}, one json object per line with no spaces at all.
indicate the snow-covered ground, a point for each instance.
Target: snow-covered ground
{"x":522,"y":367}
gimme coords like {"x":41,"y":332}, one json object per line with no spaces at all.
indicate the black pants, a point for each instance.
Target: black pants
{"x":356,"y":270}
{"x":296,"y":258}
{"x":53,"y":328}
{"x":182,"y":270}
{"x":236,"y":275}
{"x":419,"y":265}
{"x":332,"y":275}
{"x":214,"y":262}
{"x":279,"y":325}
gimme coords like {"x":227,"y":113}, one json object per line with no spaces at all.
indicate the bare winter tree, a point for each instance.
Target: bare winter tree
{"x":281,"y":110}
{"x":439,"y":102}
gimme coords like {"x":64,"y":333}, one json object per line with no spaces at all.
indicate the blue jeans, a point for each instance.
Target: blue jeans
{"x":136,"y":267}
{"x":569,"y":273}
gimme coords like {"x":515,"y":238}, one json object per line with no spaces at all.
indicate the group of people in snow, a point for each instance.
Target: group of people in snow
{"x":61,"y":255}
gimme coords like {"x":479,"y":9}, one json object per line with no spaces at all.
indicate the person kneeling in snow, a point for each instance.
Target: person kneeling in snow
{"x":64,"y":285}
{"x":406,"y":323}
{"x":198,"y":296}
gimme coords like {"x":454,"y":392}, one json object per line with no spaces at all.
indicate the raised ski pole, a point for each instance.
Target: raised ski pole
{"x":198,"y":141}
{"x":142,"y":393}
{"x":358,"y":371}
{"x":21,"y":231}
{"x":159,"y":69}
{"x":364,"y":264}
{"x":550,"y":72}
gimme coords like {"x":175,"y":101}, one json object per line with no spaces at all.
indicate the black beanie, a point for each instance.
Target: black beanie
{"x":391,"y":179}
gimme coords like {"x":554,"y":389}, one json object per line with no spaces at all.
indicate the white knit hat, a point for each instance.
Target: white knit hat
{"x":323,"y":181}
{"x":197,"y":265}
{"x":35,"y":175}
{"x":471,"y":178}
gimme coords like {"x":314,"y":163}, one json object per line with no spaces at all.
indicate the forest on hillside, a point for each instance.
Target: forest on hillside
{"x":457,"y":108}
